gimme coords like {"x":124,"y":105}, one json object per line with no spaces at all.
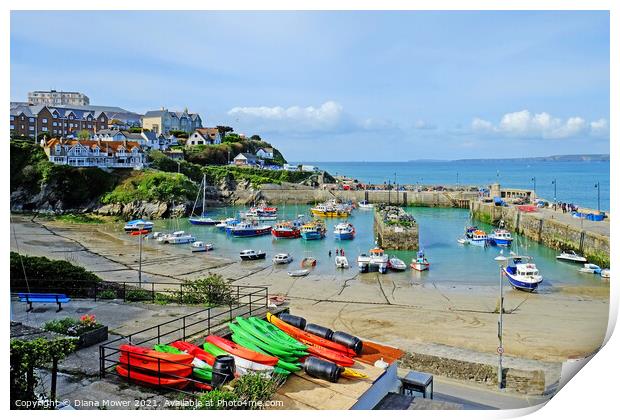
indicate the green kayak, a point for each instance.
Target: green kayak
{"x":275,"y":343}
{"x":213,"y":349}
{"x":165,"y":348}
{"x":268,"y":328}
{"x":275,"y":350}
{"x":203,"y":374}
{"x":291,"y":367}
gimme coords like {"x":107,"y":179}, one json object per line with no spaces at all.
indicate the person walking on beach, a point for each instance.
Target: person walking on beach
{"x":330,"y":253}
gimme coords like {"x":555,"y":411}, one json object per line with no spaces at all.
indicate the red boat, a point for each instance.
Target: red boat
{"x":155,"y":361}
{"x":285,"y":230}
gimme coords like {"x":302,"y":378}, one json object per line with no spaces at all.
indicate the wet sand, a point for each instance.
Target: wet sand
{"x":409,"y":313}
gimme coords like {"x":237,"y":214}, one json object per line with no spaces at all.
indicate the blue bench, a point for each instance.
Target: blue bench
{"x":30,"y":298}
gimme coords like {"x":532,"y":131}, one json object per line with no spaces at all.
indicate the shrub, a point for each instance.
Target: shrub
{"x":106,"y":294}
{"x":152,"y":185}
{"x":212,"y":290}
{"x":54,"y":276}
{"x":249,"y":392}
{"x":138,"y":295}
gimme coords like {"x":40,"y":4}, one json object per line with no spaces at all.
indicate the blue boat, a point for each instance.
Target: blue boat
{"x":344,"y":231}
{"x":312,"y":231}
{"x":501,"y":237}
{"x":522,"y":273}
{"x":138,"y":224}
{"x":227,"y":223}
{"x":248,"y":229}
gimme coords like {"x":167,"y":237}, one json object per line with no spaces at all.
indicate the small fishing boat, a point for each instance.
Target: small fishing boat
{"x":251,"y":255}
{"x":257,"y":214}
{"x":605,"y":273}
{"x":330,"y":210}
{"x":420,"y":263}
{"x":245,"y":229}
{"x":202,"y":219}
{"x":200,"y":246}
{"x":283,"y":258}
{"x":376,"y":259}
{"x":341,"y":262}
{"x":397,"y":264}
{"x":344,"y":231}
{"x":176,"y":238}
{"x":312,"y":231}
{"x":308,"y":262}
{"x":474,"y":236}
{"x":522,"y":273}
{"x":138,"y":224}
{"x":571,"y":256}
{"x":228,"y":222}
{"x":365,"y":205}
{"x":501,"y":237}
{"x":299,"y":273}
{"x":287,"y":229}
{"x":590,"y":269}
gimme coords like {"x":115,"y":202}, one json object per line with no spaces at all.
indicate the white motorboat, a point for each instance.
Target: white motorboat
{"x":341,"y":262}
{"x":501,"y":237}
{"x":397,"y":264}
{"x":200,"y":246}
{"x":299,"y":273}
{"x":365,"y":205}
{"x":283,"y":258}
{"x":571,"y":256}
{"x":175,"y":238}
{"x":590,"y":269}
{"x":377,"y":259}
{"x":605,"y":273}
{"x":251,"y":255}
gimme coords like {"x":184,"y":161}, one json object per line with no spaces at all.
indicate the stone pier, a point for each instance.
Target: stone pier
{"x":396,"y":229}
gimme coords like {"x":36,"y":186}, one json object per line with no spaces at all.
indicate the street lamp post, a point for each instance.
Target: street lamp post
{"x":555,"y":190}
{"x":389,"y":193}
{"x":598,"y":191}
{"x":534,"y":181}
{"x":396,"y":185}
{"x":140,"y":226}
{"x":501,"y":261}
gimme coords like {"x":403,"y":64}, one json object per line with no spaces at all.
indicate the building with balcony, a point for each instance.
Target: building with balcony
{"x":32,"y":120}
{"x":57,"y":98}
{"x":94,"y":153}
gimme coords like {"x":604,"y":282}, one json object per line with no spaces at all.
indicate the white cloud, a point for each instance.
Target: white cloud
{"x":524,"y":124}
{"x":424,"y":125}
{"x":600,"y":128}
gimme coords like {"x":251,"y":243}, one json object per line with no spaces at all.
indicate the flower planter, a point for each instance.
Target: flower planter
{"x":91,"y":337}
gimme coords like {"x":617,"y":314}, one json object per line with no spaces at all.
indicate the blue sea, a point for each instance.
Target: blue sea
{"x":575,"y":180}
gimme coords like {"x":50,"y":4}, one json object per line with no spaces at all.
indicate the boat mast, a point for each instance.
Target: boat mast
{"x":204,"y":192}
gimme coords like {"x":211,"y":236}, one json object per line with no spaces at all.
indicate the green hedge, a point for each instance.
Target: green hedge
{"x":47,"y":275}
{"x":150,"y":185}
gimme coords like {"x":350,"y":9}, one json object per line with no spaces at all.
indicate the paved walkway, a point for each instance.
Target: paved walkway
{"x":602,"y":228}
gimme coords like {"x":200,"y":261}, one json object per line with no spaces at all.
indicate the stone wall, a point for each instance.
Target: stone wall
{"x":550,"y":232}
{"x":523,"y":381}
{"x":395,"y":237}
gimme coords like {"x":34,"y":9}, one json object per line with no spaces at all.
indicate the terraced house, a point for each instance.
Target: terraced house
{"x":164,"y":121}
{"x":94,"y":153}
{"x":32,"y":120}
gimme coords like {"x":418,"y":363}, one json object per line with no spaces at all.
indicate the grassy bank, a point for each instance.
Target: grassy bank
{"x":151,"y":185}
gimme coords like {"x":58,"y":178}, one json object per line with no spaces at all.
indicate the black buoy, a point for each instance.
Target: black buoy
{"x":294,"y":320}
{"x":319,"y":330}
{"x":349,"y":341}
{"x":223,"y":370}
{"x":322,"y":369}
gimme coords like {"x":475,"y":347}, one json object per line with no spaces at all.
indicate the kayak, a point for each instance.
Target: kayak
{"x":276,"y":351}
{"x":147,"y":359}
{"x":308,"y":338}
{"x":331,"y":355}
{"x":264,"y":326}
{"x":166,"y":348}
{"x":273,"y":342}
{"x":290,"y":367}
{"x":140,"y":376}
{"x":195,"y":351}
{"x":242,"y":365}
{"x":237,"y":350}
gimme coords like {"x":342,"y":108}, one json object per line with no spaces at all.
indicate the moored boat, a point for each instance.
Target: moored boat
{"x":365,"y":205}
{"x":571,"y":256}
{"x":590,"y":268}
{"x":375,"y":260}
{"x":522,"y":273}
{"x":251,"y":255}
{"x":138,"y":224}
{"x":299,"y":273}
{"x":245,"y":229}
{"x":312,"y":231}
{"x":200,"y":246}
{"x":176,"y":238}
{"x":202,"y":219}
{"x":501,"y":237}
{"x":283,"y":258}
{"x":605,"y":273}
{"x":344,"y":231}
{"x":397,"y":264}
{"x":286,"y":229}
{"x":308,"y":262}
{"x":420,"y":263}
{"x":228,"y":222}
{"x":330,"y":210}
{"x":341,"y":262}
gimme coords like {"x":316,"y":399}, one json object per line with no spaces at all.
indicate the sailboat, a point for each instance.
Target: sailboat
{"x":202,"y":219}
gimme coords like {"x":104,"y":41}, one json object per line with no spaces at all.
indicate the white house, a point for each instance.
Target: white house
{"x":245,"y":159}
{"x":202,"y":136}
{"x":265,"y":153}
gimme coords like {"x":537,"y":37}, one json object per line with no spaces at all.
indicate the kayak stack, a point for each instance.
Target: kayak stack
{"x":151,"y":367}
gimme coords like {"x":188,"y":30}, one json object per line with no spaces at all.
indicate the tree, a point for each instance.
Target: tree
{"x":136,"y":129}
{"x":223,"y":129}
{"x":255,"y":137}
{"x":84,"y":135}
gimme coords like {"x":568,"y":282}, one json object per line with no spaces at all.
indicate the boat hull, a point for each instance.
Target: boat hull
{"x":343,"y":236}
{"x":312,"y":236}
{"x":243,"y":233}
{"x":287,"y":234}
{"x":420,"y":266}
{"x":259,"y":256}
{"x":502,"y":242}
{"x":521,"y":285}
{"x":203,"y":222}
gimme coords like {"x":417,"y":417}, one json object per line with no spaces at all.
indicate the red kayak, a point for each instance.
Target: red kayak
{"x":195,"y":351}
{"x":333,"y":356}
{"x":235,"y":349}
{"x":147,"y":359}
{"x":308,"y":338}
{"x":144,"y":377}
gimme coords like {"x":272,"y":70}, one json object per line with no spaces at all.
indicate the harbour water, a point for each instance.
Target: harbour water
{"x":451,"y":262}
{"x":575,"y":179}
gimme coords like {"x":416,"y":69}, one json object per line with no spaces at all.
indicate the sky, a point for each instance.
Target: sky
{"x":341,"y":86}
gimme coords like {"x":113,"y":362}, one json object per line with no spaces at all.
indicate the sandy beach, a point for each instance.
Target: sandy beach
{"x":567,"y":322}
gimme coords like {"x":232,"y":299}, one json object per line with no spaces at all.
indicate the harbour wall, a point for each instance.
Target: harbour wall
{"x":545,"y":230}
{"x":296,"y":194}
{"x":395,"y":237}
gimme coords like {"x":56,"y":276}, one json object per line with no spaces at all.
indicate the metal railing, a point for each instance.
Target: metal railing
{"x":249,"y":301}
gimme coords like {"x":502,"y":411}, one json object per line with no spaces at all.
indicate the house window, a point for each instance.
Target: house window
{"x":12,"y":127}
{"x":90,"y":126}
{"x":31,"y":128}
{"x":12,"y":118}
{"x":55,"y":124}
{"x":44,"y":120}
{"x":57,"y":149}
{"x":43,"y":128}
{"x":22,"y":126}
{"x":30,"y":119}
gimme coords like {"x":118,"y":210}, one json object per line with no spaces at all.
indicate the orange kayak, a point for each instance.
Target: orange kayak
{"x":237,"y":350}
{"x":333,"y":356}
{"x":308,"y":338}
{"x":147,"y":359}
{"x":144,"y":377}
{"x":195,"y":351}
